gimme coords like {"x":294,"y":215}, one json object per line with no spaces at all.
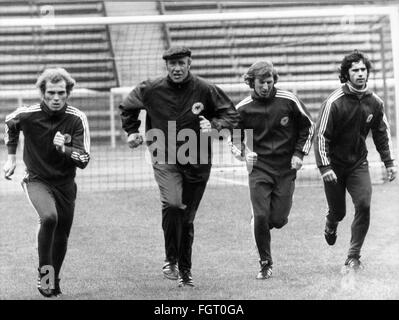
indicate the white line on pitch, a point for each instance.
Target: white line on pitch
{"x":230,"y":181}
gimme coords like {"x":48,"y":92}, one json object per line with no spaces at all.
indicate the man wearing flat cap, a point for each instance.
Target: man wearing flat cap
{"x":281,"y":131}
{"x":176,"y":52}
{"x":187,"y":104}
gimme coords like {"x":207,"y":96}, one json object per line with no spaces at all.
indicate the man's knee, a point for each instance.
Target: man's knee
{"x":362,"y":213}
{"x":279,"y":223}
{"x":170,"y":210}
{"x":173,"y":206}
{"x":260,"y":220}
{"x":363,"y":205}
{"x":49,"y":220}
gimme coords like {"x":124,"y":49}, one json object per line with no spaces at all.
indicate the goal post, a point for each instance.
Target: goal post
{"x":394,"y":21}
{"x":345,"y":11}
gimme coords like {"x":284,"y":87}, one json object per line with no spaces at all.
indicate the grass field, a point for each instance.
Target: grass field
{"x":116,"y":249}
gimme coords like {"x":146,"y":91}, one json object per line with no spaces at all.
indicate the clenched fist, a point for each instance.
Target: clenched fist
{"x":205,"y":124}
{"x":59,"y":142}
{"x":296,"y":163}
{"x":134,"y":140}
{"x":9,"y":166}
{"x":251,"y":158}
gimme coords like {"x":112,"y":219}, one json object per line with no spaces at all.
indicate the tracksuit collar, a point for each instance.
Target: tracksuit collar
{"x":348,"y":89}
{"x":52,"y":113}
{"x":184,"y":82}
{"x":255,"y":96}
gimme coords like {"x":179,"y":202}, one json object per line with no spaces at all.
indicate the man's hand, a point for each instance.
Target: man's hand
{"x":251,"y":157}
{"x":236,"y":152}
{"x":329,"y":176}
{"x":59,"y":142}
{"x":391,"y":173}
{"x":296,"y":163}
{"x":9,"y":166}
{"x":204,"y":124}
{"x":134,"y":140}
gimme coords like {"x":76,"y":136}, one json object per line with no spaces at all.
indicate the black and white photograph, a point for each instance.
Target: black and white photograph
{"x":199,"y":156}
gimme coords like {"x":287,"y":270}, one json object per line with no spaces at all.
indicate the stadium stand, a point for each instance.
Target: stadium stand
{"x":288,"y":42}
{"x":85,"y":51}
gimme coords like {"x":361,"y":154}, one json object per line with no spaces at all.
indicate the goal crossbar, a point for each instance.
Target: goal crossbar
{"x":222,"y":16}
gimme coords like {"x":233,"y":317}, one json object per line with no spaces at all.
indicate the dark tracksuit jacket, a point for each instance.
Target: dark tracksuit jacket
{"x":344,"y":121}
{"x":281,"y":127}
{"x":49,"y":183}
{"x":278,"y":127}
{"x":167,"y":103}
{"x":39,"y":125}
{"x":342,"y":128}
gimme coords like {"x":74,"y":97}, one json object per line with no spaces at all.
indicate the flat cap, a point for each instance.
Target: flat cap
{"x":176,"y":52}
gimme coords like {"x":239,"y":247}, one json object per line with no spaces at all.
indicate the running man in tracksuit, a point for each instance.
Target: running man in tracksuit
{"x":179,"y":104}
{"x":56,"y":142}
{"x":280,"y":129}
{"x":345,"y":119}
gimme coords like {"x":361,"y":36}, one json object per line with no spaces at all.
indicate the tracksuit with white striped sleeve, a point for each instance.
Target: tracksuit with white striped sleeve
{"x":345,"y":119}
{"x":50,"y":174}
{"x":278,"y":127}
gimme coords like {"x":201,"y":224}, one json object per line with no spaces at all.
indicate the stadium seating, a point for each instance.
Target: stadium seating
{"x":287,"y":42}
{"x":84,"y":50}
{"x":302,"y":49}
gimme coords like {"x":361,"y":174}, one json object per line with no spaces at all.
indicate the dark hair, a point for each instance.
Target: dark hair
{"x":346,"y":64}
{"x":55,"y":75}
{"x":260,"y":69}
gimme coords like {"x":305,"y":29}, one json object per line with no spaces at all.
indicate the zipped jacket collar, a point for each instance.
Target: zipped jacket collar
{"x":346,"y":90}
{"x":53,"y":113}
{"x":255,"y":96}
{"x":179,"y":84}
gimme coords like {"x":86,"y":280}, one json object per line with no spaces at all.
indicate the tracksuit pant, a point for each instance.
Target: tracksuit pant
{"x":181,"y":189}
{"x":271,"y":199}
{"x":55,"y":207}
{"x":358,"y":183}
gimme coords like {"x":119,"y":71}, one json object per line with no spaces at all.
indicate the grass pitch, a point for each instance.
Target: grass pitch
{"x":116,"y":249}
